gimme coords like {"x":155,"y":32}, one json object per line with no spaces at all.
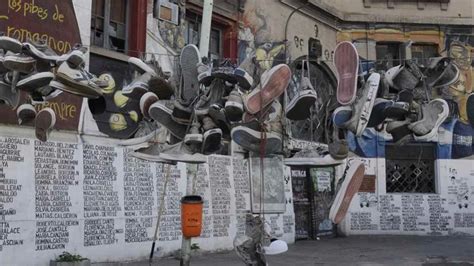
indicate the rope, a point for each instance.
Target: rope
{"x":160,"y":211}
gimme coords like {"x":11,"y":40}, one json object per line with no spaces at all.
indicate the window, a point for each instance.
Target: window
{"x":109,"y":24}
{"x":410,"y":168}
{"x":388,"y":55}
{"x":193,"y":33}
{"x":422,"y":52}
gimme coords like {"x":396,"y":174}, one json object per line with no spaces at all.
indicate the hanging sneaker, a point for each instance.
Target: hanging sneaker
{"x":189,"y":87}
{"x":234,"y":107}
{"x":194,"y":136}
{"x":302,"y":99}
{"x":44,"y":123}
{"x":276,"y":247}
{"x":362,"y":108}
{"x":137,"y":87}
{"x":161,"y":111}
{"x":218,"y":115}
{"x":251,"y":139}
{"x":273,"y":83}
{"x":441,"y":72}
{"x":10,"y":44}
{"x":211,"y":95}
{"x":151,"y":153}
{"x":319,"y":156}
{"x":378,"y":114}
{"x":391,"y":74}
{"x":341,"y":115}
{"x":26,"y":114}
{"x":408,"y":76}
{"x":35,"y":81}
{"x":140,"y":66}
{"x":346,"y":60}
{"x":19,"y":62}
{"x":338,"y":147}
{"x":9,"y":96}
{"x":242,"y":74}
{"x":146,"y":101}
{"x":161,"y":87}
{"x":181,"y":152}
{"x":434,"y":113}
{"x":399,"y":130}
{"x":182,"y":113}
{"x":145,"y":132}
{"x":212,"y":136}
{"x":347,"y":187}
{"x":205,"y":76}
{"x":77,"y":81}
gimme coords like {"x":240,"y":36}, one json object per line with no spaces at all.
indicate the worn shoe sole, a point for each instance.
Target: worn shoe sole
{"x":211,"y":140}
{"x":327,"y":160}
{"x":234,"y":111}
{"x":373,"y":83}
{"x":431,"y":136}
{"x":21,"y":64}
{"x":10,"y":44}
{"x":44,"y":122}
{"x":26,"y":113}
{"x":75,"y":87}
{"x":140,"y":66}
{"x":189,"y":60}
{"x":276,"y":84}
{"x":35,"y":81}
{"x":11,"y":98}
{"x":350,"y":186}
{"x":163,"y":115}
{"x":299,"y":107}
{"x":250,"y":140}
{"x":146,"y":101}
{"x":346,"y":60}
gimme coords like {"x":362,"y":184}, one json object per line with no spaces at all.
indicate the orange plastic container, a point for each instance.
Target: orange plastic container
{"x":191,"y":216}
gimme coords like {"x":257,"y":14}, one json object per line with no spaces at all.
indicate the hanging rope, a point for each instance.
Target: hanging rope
{"x":160,"y":211}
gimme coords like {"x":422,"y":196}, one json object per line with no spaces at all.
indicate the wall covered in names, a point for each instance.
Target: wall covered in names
{"x":449,"y":211}
{"x":93,"y":199}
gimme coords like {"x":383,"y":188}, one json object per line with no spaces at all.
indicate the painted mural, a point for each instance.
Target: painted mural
{"x":419,"y":45}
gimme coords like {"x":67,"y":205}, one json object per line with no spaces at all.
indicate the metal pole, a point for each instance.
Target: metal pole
{"x":191,"y":174}
{"x":204,"y":51}
{"x":205,"y":28}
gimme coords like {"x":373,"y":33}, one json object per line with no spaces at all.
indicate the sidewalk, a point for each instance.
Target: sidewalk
{"x":354,"y":250}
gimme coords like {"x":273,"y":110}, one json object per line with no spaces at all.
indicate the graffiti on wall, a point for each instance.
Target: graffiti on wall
{"x":55,"y":23}
{"x":455,"y":136}
{"x":255,"y":38}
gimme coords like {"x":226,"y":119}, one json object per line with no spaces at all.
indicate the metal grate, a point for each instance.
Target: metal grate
{"x":410,"y":168}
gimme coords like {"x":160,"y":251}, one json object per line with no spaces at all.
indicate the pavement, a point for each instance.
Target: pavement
{"x":353,"y":250}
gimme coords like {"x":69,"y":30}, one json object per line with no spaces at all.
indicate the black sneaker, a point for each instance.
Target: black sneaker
{"x":161,"y":111}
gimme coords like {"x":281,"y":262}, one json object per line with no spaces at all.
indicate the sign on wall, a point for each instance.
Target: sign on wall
{"x":55,"y":22}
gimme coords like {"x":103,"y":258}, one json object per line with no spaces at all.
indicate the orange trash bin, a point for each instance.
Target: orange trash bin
{"x":191,"y":216}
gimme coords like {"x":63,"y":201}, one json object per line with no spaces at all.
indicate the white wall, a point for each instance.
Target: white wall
{"x":91,"y":198}
{"x":416,"y":214}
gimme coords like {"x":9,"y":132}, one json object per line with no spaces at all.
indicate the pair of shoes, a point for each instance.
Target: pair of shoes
{"x":273,"y":83}
{"x":259,"y":137}
{"x":73,"y":78}
{"x":362,"y":108}
{"x":209,"y":140}
{"x":302,"y":97}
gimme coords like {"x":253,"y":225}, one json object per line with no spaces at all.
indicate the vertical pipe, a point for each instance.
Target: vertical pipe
{"x":205,"y":28}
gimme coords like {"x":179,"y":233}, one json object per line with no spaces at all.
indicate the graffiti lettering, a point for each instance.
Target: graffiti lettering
{"x":57,"y":15}
{"x":24,"y":34}
{"x":63,"y":110}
